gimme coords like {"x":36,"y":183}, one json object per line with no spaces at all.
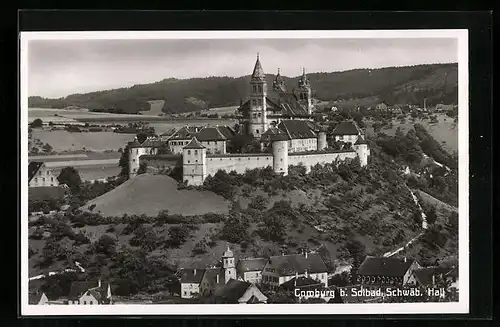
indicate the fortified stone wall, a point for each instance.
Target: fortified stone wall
{"x":237,"y":162}
{"x":311,"y":159}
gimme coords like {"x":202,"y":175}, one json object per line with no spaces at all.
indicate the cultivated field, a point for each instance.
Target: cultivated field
{"x":155,"y":109}
{"x":150,"y":194}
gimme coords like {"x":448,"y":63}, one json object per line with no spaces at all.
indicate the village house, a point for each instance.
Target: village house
{"x":38,"y":298}
{"x":347,"y":131}
{"x":90,"y":293}
{"x":375,"y":272}
{"x":250,"y":270}
{"x":41,"y":176}
{"x":302,"y":135}
{"x":190,"y":279}
{"x":214,"y":139}
{"x":239,"y":292}
{"x":280,"y":269}
{"x":216,"y":277}
{"x":431,"y":276}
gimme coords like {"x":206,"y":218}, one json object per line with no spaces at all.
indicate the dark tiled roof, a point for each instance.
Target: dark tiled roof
{"x":210,"y":134}
{"x":424,"y":275}
{"x":301,"y":282}
{"x":253,"y":264}
{"x":288,"y":265}
{"x":361,"y":140}
{"x":258,"y":72}
{"x":33,"y":168}
{"x":453,"y":272}
{"x":211,"y":276}
{"x":227,"y":131}
{"x":194,"y":144}
{"x":380,"y":266}
{"x":134,"y":144}
{"x":279,"y":137}
{"x":79,"y":288}
{"x":347,"y":128}
{"x":232,"y":291}
{"x":188,"y":275}
{"x":297,"y":129}
{"x":43,"y":193}
{"x":185,"y":133}
{"x":286,"y":103}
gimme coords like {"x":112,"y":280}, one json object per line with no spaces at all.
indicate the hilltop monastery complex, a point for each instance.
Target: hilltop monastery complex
{"x":279,"y":119}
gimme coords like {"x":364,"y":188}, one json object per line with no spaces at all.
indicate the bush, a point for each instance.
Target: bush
{"x":178,"y":235}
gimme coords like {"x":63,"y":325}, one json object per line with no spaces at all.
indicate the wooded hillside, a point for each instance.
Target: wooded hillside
{"x":405,"y":85}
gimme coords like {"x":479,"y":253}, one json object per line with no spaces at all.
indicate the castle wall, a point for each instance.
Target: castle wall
{"x":215,"y":147}
{"x":238,"y":163}
{"x":310,"y":159}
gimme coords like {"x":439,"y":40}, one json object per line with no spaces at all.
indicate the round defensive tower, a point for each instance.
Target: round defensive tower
{"x":322,"y":142}
{"x":361,"y":148}
{"x":280,"y":153}
{"x":134,"y":152}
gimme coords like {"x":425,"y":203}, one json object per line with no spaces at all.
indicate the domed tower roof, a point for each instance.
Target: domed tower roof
{"x":258,"y":72}
{"x":228,"y":253}
{"x":303,"y":81}
{"x":279,"y":83}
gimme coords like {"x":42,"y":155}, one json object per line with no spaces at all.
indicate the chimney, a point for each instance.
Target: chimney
{"x":217,"y":278}
{"x":404,"y":259}
{"x":306,"y":274}
{"x":99,"y":282}
{"x":306,"y":254}
{"x":433,"y":279}
{"x":194,"y":273}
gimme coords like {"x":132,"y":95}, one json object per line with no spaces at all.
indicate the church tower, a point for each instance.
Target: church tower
{"x":305,"y":93}
{"x":258,"y":119}
{"x":279,"y":83}
{"x":229,"y":265}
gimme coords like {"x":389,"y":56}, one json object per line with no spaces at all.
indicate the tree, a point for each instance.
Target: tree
{"x":47,"y":148}
{"x":37,"y":123}
{"x":105,"y":245}
{"x":123,"y":163}
{"x":259,"y":203}
{"x":70,"y":177}
{"x":431,"y":216}
{"x":178,"y":235}
{"x":357,"y":251}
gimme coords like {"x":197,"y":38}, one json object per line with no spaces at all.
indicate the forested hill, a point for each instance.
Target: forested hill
{"x":406,"y":85}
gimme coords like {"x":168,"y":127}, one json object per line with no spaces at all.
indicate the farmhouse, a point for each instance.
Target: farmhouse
{"x":39,"y":175}
{"x":381,"y":271}
{"x":88,"y":293}
{"x":280,"y":269}
{"x":347,"y":131}
{"x":190,"y":282}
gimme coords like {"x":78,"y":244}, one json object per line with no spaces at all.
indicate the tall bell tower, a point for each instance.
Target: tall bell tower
{"x":258,"y":119}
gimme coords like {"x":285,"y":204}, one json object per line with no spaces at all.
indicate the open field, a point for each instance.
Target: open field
{"x":92,"y":141}
{"x":90,"y":173}
{"x":155,"y":109}
{"x":150,"y":194}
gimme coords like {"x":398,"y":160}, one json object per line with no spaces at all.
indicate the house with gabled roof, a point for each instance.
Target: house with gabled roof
{"x":250,"y":269}
{"x":347,"y":132}
{"x":190,"y":279}
{"x":387,"y":271}
{"x":282,"y":268}
{"x":239,"y":292}
{"x":90,"y":293}
{"x":213,"y":138}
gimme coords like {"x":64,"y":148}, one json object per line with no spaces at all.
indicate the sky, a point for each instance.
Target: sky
{"x":57,"y":68}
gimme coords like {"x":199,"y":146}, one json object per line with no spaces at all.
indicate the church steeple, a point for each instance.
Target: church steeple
{"x":303,"y":81}
{"x":305,"y":93}
{"x":279,"y":83}
{"x":258,"y":72}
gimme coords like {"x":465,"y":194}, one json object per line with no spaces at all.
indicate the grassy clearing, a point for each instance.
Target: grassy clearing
{"x":150,"y":194}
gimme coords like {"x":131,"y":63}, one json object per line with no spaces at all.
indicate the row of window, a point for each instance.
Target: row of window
{"x":43,"y":179}
{"x":257,"y":102}
{"x":40,"y":172}
{"x":270,"y":279}
{"x":255,"y":115}
{"x":257,"y":88}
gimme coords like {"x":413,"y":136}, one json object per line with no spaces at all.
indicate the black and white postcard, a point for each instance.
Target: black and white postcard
{"x":244,"y":172}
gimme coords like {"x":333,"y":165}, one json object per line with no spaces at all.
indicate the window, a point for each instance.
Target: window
{"x":84,"y":302}
{"x":36,"y":179}
{"x":260,"y":88}
{"x":257,"y":131}
{"x":196,"y":160}
{"x":189,"y":161}
{"x":133,"y":160}
{"x":47,"y":172}
{"x":43,"y":179}
{"x":195,"y":152}
{"x":90,"y":302}
{"x":189,"y":153}
{"x":259,"y":115}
